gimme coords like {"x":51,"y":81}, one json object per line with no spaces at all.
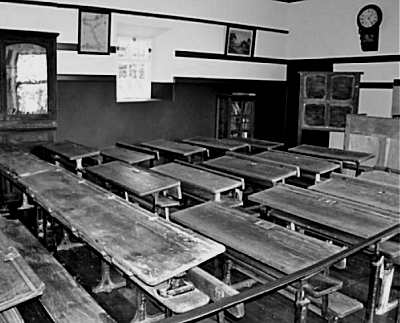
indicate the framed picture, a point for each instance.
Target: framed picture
{"x":239,"y":41}
{"x":94,"y":31}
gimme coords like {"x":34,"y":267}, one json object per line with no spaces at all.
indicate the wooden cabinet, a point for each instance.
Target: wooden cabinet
{"x":27,"y":86}
{"x":325,"y":99}
{"x":235,"y":115}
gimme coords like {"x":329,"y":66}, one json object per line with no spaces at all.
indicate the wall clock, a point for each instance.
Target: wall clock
{"x":369,"y":19}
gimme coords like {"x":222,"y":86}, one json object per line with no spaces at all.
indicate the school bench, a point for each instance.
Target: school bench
{"x":63,"y":299}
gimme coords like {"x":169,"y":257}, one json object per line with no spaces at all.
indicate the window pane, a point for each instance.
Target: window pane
{"x":26,"y":74}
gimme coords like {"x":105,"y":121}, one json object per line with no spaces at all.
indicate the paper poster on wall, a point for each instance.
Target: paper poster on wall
{"x":133,"y":69}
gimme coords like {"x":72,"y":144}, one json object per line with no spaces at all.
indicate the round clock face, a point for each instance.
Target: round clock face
{"x":369,"y":16}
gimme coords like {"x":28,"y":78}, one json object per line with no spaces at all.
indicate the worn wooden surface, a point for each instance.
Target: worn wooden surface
{"x":191,"y":177}
{"x":378,"y":176}
{"x":260,"y":143}
{"x":259,"y":172}
{"x":265,"y":242}
{"x":332,"y":153}
{"x":380,"y":136}
{"x":214,"y":143}
{"x":136,"y":241}
{"x":307,"y":164}
{"x":17,"y":163}
{"x":18,"y":282}
{"x":362,"y":191}
{"x":63,"y":299}
{"x":344,"y":220}
{"x":125,"y":155}
{"x":71,"y":150}
{"x":177,"y":148}
{"x":134,"y":180}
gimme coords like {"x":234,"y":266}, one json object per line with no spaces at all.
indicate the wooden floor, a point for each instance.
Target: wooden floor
{"x":84,"y":265}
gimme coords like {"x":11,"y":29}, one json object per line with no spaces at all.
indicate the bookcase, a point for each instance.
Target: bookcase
{"x":235,"y":115}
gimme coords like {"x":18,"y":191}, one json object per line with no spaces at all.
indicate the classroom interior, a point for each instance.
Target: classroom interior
{"x":200,"y":161}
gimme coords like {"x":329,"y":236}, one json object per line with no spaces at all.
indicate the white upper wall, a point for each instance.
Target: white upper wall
{"x":167,"y":35}
{"x":328,"y":28}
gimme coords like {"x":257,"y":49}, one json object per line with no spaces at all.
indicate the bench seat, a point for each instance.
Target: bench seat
{"x":63,"y":299}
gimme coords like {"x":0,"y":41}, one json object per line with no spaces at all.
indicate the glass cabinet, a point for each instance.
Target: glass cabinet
{"x":235,"y":115}
{"x":27,"y":86}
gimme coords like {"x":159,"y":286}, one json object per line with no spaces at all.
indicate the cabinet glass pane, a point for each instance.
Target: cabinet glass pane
{"x":342,"y":87}
{"x":26,"y":75}
{"x":315,"y":87}
{"x":314,"y":114}
{"x":337,"y":115}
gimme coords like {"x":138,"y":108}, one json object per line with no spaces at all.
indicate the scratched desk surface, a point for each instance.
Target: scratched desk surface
{"x":362,"y":191}
{"x":214,"y":143}
{"x":71,"y":150}
{"x":306,"y":163}
{"x":340,"y":218}
{"x":265,"y":242}
{"x":194,"y":177}
{"x":19,"y":163}
{"x":174,"y":147}
{"x":125,"y":155}
{"x":134,"y":180}
{"x":18,"y":282}
{"x":137,"y":242}
{"x":332,"y":153}
{"x":263,"y":173}
{"x":381,"y":177}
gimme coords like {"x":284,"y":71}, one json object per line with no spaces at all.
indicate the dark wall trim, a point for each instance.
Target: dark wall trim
{"x":376,"y":85}
{"x":159,"y":90}
{"x":202,"y":55}
{"x":74,"y":47}
{"x":147,"y":14}
{"x":396,"y":82}
{"x":355,"y":59}
{"x":221,"y":81}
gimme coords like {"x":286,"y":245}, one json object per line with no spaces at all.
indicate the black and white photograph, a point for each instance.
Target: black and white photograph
{"x":239,"y":41}
{"x":199,"y":161}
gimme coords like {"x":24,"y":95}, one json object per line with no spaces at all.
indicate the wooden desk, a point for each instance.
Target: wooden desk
{"x":378,"y":176}
{"x":335,"y":218}
{"x":18,"y":282}
{"x":135,"y":181}
{"x":255,"y":172}
{"x":130,"y":237}
{"x":128,"y":156}
{"x":265,"y":242}
{"x":308,"y":165}
{"x":203,"y":184}
{"x":218,"y":144}
{"x":370,"y":193}
{"x":145,"y":248}
{"x":260,"y":144}
{"x":355,"y":157}
{"x":177,"y":149}
{"x":70,"y":152}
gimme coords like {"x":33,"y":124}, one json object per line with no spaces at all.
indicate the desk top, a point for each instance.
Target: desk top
{"x":128,"y":156}
{"x":134,"y":180}
{"x":19,"y":164}
{"x":263,"y":173}
{"x":322,"y":210}
{"x":18,"y":282}
{"x":269,"y":244}
{"x":332,"y":153}
{"x":138,"y":242}
{"x":362,"y":191}
{"x":381,"y":177}
{"x":260,"y":143}
{"x":174,"y":147}
{"x":214,"y":143}
{"x":199,"y":178}
{"x":306,"y":163}
{"x":71,"y":150}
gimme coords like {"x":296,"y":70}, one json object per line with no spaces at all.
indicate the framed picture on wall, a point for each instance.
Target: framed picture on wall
{"x":239,"y":41}
{"x":94,"y":29}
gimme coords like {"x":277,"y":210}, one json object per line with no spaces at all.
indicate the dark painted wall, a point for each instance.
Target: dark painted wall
{"x":88,"y":113}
